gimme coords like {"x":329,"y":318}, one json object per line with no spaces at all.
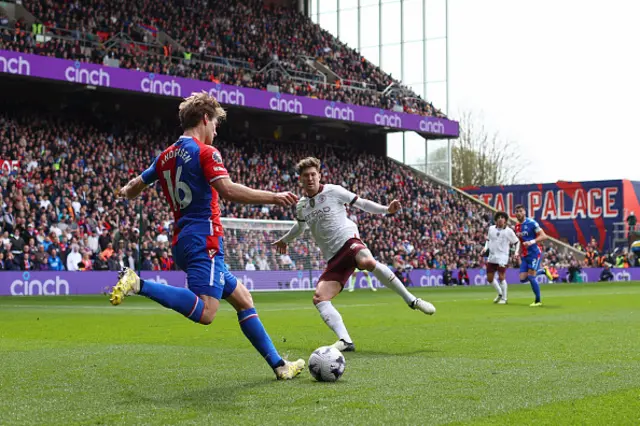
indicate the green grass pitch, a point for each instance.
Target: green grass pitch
{"x":78,"y":360}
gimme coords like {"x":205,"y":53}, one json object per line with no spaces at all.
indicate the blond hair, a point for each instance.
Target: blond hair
{"x":193,"y":109}
{"x":308,"y":162}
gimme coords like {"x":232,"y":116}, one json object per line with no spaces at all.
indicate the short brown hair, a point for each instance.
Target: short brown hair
{"x":308,"y":162}
{"x":193,"y":109}
{"x":520,"y":206}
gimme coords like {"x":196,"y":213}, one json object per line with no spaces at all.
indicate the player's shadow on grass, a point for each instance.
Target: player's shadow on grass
{"x":220,"y":397}
{"x":526,"y":305}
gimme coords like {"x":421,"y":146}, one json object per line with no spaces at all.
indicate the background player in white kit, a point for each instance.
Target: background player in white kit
{"x":500,"y":238}
{"x":323,"y":210}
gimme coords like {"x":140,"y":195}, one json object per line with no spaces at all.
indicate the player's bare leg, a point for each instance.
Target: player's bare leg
{"x":325,"y":291}
{"x":242,"y":302}
{"x":503,"y":287}
{"x":491,"y":277}
{"x":211,"y":306}
{"x":365,"y":260}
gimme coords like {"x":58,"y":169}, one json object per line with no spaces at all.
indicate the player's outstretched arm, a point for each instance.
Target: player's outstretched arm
{"x":375,"y":208}
{"x":296,"y":230}
{"x":238,"y":193}
{"x":541,"y":236}
{"x":132,"y":189}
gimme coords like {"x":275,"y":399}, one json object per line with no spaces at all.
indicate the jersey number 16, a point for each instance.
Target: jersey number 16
{"x":179,"y":192}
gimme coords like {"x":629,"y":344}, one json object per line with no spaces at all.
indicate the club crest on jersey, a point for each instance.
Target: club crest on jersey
{"x":321,"y":199}
{"x":216,"y":157}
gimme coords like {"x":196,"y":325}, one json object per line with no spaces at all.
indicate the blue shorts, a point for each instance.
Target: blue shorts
{"x":530,"y":262}
{"x":202,"y":258}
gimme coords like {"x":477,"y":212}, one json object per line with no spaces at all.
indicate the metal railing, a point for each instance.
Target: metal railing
{"x":359,"y":85}
{"x":623,"y":234}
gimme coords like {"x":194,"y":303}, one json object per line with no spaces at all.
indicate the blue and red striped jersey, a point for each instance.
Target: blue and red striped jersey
{"x":527,"y":231}
{"x":186,"y":171}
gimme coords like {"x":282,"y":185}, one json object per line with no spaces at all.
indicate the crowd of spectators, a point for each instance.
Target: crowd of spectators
{"x":58,"y":206}
{"x":247,"y":31}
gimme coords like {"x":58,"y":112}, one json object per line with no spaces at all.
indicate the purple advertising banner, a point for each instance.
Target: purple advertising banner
{"x":72,"y":283}
{"x":138,"y":81}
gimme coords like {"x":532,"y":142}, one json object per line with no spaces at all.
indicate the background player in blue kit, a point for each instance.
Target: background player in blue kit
{"x":192,"y":174}
{"x":530,"y":235}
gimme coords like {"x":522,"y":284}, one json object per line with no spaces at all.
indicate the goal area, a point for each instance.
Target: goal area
{"x":250,"y":255}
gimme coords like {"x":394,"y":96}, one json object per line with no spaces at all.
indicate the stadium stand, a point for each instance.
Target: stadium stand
{"x":247,"y":45}
{"x":61,"y":197}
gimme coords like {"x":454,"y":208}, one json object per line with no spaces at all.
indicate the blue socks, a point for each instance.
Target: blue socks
{"x":254,"y":330}
{"x":191,"y":306}
{"x":535,"y":287}
{"x":179,"y":299}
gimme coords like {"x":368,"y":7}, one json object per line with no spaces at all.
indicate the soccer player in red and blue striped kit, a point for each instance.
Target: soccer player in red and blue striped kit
{"x":192,"y":175}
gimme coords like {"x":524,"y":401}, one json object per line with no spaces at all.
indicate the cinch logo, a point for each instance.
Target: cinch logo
{"x":431,"y":126}
{"x":247,"y":281}
{"x":158,"y":279}
{"x":622,"y":276}
{"x":77,"y":74}
{"x":17,"y":65}
{"x":277,"y":103}
{"x":26,"y":287}
{"x":303,"y":283}
{"x":233,"y":97}
{"x":428,"y":280}
{"x":388,"y":120}
{"x":345,"y":113}
{"x":166,"y":88}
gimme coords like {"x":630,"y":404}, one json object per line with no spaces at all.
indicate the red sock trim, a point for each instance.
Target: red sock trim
{"x":250,"y":316}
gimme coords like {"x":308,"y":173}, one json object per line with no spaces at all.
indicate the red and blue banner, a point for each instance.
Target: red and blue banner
{"x":569,"y":211}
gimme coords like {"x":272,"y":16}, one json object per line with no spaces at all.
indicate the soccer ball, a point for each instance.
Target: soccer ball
{"x":326,"y":364}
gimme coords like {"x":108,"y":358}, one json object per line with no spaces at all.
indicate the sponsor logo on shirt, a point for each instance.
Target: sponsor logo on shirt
{"x":317,"y":214}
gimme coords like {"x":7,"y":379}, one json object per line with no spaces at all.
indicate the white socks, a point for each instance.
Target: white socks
{"x":388,"y":279}
{"x":503,"y":284}
{"x":333,"y":319}
{"x":495,"y":285}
